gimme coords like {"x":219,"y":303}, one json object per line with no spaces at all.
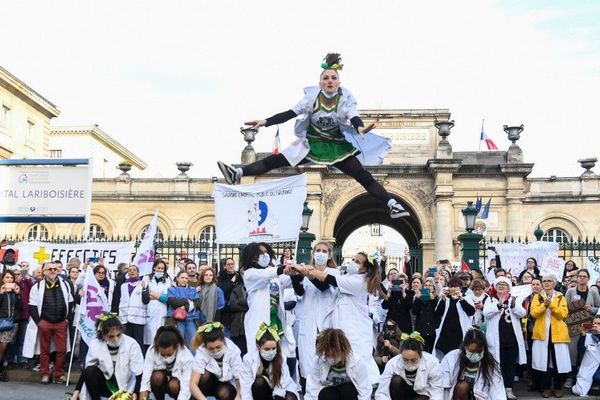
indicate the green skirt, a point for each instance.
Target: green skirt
{"x":328,"y":152}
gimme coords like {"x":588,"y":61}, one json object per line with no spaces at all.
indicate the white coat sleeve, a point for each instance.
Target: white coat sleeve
{"x":518,"y":310}
{"x":351,"y":105}
{"x":255,"y":278}
{"x":383,"y":390}
{"x":186,"y":376}
{"x":350,"y":284}
{"x":313,"y":384}
{"x":136,"y":359}
{"x":200,"y":362}
{"x":435,"y":382}
{"x":34,"y":295}
{"x":490,"y":308}
{"x":362,"y":385}
{"x":148,"y":369}
{"x":448,"y":371}
{"x":304,"y":106}
{"x":247,"y":378}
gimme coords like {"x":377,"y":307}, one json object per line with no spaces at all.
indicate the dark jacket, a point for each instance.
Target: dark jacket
{"x":225,"y":283}
{"x":9,"y":305}
{"x":238,"y":306}
{"x":399,"y":309}
{"x":424,"y":312}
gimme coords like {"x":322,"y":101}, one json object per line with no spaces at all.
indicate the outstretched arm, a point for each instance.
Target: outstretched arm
{"x":273,"y":120}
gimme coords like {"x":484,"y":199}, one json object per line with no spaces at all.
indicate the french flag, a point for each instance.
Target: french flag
{"x":488,"y":142}
{"x":276,"y":142}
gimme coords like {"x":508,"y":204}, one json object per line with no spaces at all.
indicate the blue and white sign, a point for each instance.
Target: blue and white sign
{"x":45,"y":190}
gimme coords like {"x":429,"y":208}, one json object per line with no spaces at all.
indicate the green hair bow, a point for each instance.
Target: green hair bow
{"x":105,"y":316}
{"x":263,"y":328}
{"x":415,"y":335}
{"x":209,"y":327}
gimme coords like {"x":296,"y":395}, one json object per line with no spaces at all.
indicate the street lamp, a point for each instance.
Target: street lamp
{"x":305,"y":238}
{"x":469,"y":240}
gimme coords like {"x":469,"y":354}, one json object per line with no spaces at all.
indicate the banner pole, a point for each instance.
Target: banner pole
{"x":72,"y":353}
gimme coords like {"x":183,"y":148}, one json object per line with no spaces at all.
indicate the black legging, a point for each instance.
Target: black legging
{"x":211,"y":386}
{"x":136,"y":332}
{"x":261,"y":390}
{"x":350,"y":166}
{"x":95,"y":383}
{"x":345,"y":391}
{"x":162,"y":384}
{"x":400,"y":390}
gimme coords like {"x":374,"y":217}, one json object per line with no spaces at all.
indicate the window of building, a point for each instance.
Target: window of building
{"x":37,"y":232}
{"x":208,"y":237}
{"x":96,"y":232}
{"x":556,"y":235}
{"x":55,"y":153}
{"x":159,"y":234}
{"x":4,"y":116}
{"x":29,"y":133}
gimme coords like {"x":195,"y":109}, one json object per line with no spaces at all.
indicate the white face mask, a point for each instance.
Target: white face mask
{"x":321,"y":258}
{"x":264,"y":260}
{"x":159,"y":275}
{"x":219,"y":354}
{"x":329,"y":95}
{"x":115,"y":343}
{"x":411,"y":367}
{"x":332,"y":360}
{"x":474,"y":357}
{"x":352,"y":268}
{"x":268,"y":355}
{"x":171,"y":358}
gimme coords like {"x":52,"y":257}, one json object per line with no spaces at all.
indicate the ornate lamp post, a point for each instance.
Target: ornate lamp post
{"x":305,"y":238}
{"x":470,"y":241}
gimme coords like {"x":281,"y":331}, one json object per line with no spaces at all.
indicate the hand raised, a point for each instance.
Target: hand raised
{"x":256,"y":123}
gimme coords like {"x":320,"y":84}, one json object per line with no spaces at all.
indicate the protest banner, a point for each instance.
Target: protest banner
{"x":553,"y":266}
{"x":393,"y":249}
{"x":37,"y":253}
{"x":593,"y":267}
{"x":262,"y":212}
{"x":521,"y":291}
{"x":514,"y":255}
{"x":93,"y":303}
{"x":577,"y":316}
{"x":144,"y":259}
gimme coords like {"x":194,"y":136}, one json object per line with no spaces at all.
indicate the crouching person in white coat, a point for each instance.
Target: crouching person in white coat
{"x":114,"y":362}
{"x":471,"y":372}
{"x":265,"y":375}
{"x":588,"y":370}
{"x":168,"y":366}
{"x":337,"y":373}
{"x":411,"y":375}
{"x":217,"y":364}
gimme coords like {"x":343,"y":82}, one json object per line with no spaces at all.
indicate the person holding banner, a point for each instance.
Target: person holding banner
{"x":264,"y":374}
{"x":265,"y":284}
{"x":550,"y":350}
{"x":315,"y":300}
{"x":154,"y":294}
{"x":350,"y":312}
{"x":132,"y":309}
{"x":167,"y":367}
{"x":327,"y":135}
{"x":114,"y":362}
{"x":49,"y":303}
{"x":101,"y":274}
{"x":217,"y":364}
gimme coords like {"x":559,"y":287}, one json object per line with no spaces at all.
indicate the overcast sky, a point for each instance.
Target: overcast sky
{"x":174,"y":81}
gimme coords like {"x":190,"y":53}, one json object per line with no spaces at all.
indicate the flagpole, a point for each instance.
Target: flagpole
{"x":482,"y":122}
{"x":72,"y":353}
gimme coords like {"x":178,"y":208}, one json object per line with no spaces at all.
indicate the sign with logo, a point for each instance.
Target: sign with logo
{"x":553,"y":266}
{"x":481,"y":226}
{"x":37,"y":253}
{"x":262,"y":212}
{"x":45,"y":192}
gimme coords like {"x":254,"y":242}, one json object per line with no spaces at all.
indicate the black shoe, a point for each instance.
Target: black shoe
{"x":229,"y":173}
{"x":396,"y":211}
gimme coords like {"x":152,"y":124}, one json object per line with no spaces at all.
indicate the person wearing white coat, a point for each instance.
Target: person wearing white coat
{"x":114,"y":362}
{"x":154,"y":295}
{"x":471,"y":372}
{"x":315,"y":301}
{"x":264,"y":284}
{"x":217,"y":364}
{"x":504,"y":332}
{"x":337,"y":374}
{"x":588,"y":370}
{"x":411,"y":374}
{"x":264,"y":373}
{"x":167,"y":367}
{"x":350,"y":312}
{"x":132,"y":309}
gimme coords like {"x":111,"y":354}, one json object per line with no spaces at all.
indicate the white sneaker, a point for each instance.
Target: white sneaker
{"x":396,"y":211}
{"x":510,"y":395}
{"x":229,"y":173}
{"x":36,"y":368}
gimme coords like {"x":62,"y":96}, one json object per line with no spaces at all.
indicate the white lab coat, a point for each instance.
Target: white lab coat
{"x":258,"y":282}
{"x":373,"y":147}
{"x":465,"y":322}
{"x":232,"y":363}
{"x":156,"y":310}
{"x":288,"y":341}
{"x":31,"y":345}
{"x":250,"y":368}
{"x":315,"y":306}
{"x":450,"y":368}
{"x":588,"y":367}
{"x":182,"y":370}
{"x":355,"y":368}
{"x":428,"y":381}
{"x":129,"y":363}
{"x":492,"y":315}
{"x":351,"y":314}
{"x":539,"y":352}
{"x":131,"y":308}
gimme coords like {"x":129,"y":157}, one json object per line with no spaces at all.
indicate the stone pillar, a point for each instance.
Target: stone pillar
{"x":442,"y":171}
{"x":515,"y":193}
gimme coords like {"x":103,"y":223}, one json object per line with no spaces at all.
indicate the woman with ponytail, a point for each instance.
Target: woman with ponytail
{"x":114,"y":362}
{"x":330,"y":132}
{"x":264,"y":374}
{"x":168,"y":366}
{"x":217,"y":365}
{"x":350,"y":312}
{"x":337,"y":374}
{"x":412,"y":375}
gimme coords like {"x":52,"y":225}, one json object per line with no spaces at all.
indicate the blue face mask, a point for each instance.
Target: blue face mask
{"x":321,"y":258}
{"x":352,"y":268}
{"x":264,"y":260}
